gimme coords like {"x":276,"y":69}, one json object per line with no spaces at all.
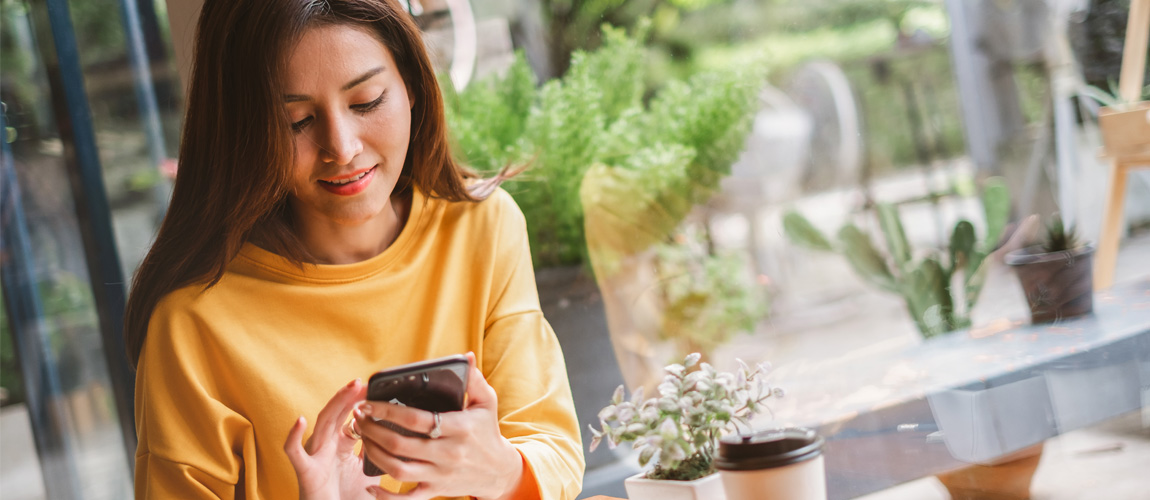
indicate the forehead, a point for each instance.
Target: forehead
{"x":332,"y":55}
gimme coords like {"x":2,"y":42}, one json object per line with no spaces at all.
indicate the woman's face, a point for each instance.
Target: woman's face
{"x":351,"y":122}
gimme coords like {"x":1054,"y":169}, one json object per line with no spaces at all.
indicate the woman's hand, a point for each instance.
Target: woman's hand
{"x":470,"y":458}
{"x":327,"y":467}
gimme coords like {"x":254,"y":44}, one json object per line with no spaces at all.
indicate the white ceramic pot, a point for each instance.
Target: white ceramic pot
{"x":704,"y":488}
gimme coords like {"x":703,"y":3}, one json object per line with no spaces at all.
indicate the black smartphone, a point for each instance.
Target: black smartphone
{"x":437,"y":385}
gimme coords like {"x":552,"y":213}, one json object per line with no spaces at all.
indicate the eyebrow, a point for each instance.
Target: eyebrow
{"x":348,"y":86}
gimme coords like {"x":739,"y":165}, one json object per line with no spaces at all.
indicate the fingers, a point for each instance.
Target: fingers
{"x":479,"y":392}
{"x":408,"y":471}
{"x":421,"y":492}
{"x":390,"y":437}
{"x":334,"y":413}
{"x":293,"y":447}
{"x":349,"y":435}
{"x":409,"y":418}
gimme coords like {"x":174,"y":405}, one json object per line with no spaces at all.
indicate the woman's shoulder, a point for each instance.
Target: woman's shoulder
{"x":498,"y":210}
{"x":177,"y":307}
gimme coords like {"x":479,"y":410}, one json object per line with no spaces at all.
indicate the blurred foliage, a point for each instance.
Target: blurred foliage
{"x":11,"y":380}
{"x":99,"y":30}
{"x":687,"y":136}
{"x":1060,"y":237}
{"x":69,"y":323}
{"x":1099,"y":39}
{"x":707,"y":297}
{"x":938,"y":298}
{"x":575,"y":24}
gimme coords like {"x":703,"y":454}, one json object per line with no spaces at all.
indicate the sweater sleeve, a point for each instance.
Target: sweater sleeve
{"x":522,"y":360}
{"x":190,"y":444}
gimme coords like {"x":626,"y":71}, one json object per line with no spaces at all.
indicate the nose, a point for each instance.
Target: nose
{"x":339,"y":141}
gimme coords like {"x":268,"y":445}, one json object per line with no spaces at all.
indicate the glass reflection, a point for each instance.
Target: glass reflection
{"x":72,"y":391}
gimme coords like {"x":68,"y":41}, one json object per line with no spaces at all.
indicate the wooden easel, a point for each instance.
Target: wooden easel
{"x":1130,"y":87}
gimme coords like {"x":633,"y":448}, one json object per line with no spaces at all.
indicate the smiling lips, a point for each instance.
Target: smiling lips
{"x":348,"y":185}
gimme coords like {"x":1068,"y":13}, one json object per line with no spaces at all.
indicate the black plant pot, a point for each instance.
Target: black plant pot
{"x":572,"y":304}
{"x":1058,"y":285}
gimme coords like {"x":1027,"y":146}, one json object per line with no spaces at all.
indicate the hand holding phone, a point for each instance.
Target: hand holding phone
{"x":438,"y":385}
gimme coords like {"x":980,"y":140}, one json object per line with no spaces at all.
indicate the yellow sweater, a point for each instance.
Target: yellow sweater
{"x":225,"y":373}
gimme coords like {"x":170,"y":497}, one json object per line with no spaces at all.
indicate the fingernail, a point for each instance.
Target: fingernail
{"x":352,"y":383}
{"x":358,"y":413}
{"x":364,"y":409}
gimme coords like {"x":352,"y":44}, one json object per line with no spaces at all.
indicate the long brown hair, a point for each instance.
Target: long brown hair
{"x":232,"y":182}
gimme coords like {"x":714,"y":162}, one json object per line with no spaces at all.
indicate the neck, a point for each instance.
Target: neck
{"x":330,"y":242}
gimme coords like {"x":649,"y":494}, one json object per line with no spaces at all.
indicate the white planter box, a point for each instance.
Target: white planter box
{"x":705,"y":488}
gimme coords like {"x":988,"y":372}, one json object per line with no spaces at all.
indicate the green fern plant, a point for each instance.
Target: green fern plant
{"x":673,"y":149}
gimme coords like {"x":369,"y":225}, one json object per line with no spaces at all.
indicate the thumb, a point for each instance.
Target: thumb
{"x":293,"y":447}
{"x":479,"y":393}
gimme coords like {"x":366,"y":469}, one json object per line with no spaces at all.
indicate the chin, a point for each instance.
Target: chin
{"x":356,"y":217}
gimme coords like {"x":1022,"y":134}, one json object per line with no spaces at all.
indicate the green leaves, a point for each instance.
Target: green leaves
{"x":896,"y":242}
{"x":679,"y":430}
{"x":865,"y":259}
{"x":961,"y":244}
{"x":802,"y":232}
{"x":707,"y":297}
{"x":923,"y":280}
{"x":996,"y":207}
{"x":669,"y":155}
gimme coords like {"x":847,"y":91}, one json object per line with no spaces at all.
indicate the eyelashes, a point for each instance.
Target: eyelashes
{"x":361,"y":109}
{"x":370,"y":106}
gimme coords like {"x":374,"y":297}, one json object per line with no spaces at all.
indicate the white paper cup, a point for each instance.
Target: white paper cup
{"x":784,"y":464}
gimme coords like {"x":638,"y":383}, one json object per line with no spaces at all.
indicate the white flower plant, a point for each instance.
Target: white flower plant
{"x":679,"y":431}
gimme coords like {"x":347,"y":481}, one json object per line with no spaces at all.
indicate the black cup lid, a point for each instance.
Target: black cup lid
{"x":768,"y":449}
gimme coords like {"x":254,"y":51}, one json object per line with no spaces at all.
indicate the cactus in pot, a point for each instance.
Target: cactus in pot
{"x":940,"y":287}
{"x":1057,"y":276}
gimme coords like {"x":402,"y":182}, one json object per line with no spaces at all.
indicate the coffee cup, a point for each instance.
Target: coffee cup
{"x":781,"y":464}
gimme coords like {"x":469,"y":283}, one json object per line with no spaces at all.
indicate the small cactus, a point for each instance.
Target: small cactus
{"x":1059,"y":238}
{"x":926,"y":282}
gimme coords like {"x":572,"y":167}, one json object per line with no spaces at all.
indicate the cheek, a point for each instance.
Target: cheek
{"x":303,"y":158}
{"x":394,"y":130}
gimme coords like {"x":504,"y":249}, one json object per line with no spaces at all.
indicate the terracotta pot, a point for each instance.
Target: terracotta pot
{"x":705,"y":488}
{"x":1127,"y":131}
{"x":1058,"y":285}
{"x":1009,"y":480}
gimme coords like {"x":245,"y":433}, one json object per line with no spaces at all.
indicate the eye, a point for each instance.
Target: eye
{"x":300,"y":125}
{"x":369,"y":106}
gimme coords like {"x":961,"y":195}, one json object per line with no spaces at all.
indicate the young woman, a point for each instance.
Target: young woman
{"x":319,"y":231}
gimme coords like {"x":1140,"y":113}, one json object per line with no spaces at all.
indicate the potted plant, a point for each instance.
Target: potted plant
{"x":606,"y":158}
{"x":940,"y":287}
{"x":677,"y":433}
{"x":1056,"y":276}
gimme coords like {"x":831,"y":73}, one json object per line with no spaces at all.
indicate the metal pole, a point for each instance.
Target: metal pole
{"x":73,"y":118}
{"x":25,"y":316}
{"x":145,"y":96}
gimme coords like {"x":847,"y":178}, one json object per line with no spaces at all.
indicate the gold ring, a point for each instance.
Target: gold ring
{"x":349,"y":430}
